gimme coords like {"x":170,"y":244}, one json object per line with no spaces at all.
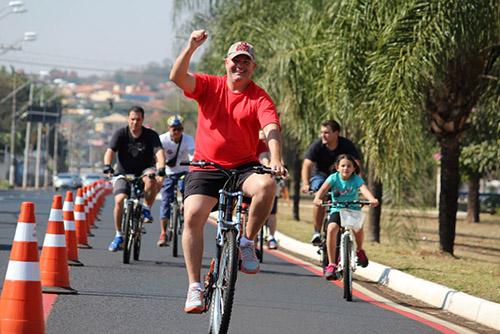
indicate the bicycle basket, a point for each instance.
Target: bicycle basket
{"x":352,"y":218}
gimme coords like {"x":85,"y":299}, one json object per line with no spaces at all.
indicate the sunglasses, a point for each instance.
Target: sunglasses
{"x":176,"y":129}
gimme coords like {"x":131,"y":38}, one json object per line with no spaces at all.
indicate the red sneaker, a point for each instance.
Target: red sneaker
{"x":331,"y":272}
{"x":362,"y":258}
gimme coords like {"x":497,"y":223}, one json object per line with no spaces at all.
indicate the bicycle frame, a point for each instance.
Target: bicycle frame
{"x":175,"y":219}
{"x":221,"y":279}
{"x":346,"y":246}
{"x":132,"y":215}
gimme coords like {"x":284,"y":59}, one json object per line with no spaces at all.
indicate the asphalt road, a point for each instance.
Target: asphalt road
{"x":147,"y":296}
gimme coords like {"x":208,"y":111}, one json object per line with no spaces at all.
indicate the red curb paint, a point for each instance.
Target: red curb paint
{"x":48,"y":303}
{"x":364,"y":297}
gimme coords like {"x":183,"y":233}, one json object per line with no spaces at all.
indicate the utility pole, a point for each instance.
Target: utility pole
{"x":27,"y":143}
{"x":56,"y":147}
{"x":13,"y":134}
{"x":38,"y":148}
{"x":47,"y":144}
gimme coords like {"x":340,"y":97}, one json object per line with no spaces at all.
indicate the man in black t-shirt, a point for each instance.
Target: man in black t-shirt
{"x":137,"y":149}
{"x":318,"y":163}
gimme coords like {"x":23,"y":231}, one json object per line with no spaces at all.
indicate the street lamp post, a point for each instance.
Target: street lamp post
{"x":14,"y":7}
{"x":13,"y":136}
{"x":29,"y":36}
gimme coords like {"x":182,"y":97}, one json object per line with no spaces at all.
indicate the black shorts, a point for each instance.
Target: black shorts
{"x":209,"y":182}
{"x":121,"y":186}
{"x":334,"y":218}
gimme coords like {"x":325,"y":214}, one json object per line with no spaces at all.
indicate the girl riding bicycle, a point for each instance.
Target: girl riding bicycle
{"x":345,"y":185}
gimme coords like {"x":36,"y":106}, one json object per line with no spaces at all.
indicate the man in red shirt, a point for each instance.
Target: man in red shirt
{"x":231,"y":110}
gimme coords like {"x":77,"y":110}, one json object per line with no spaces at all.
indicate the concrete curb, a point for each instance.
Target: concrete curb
{"x":476,"y":309}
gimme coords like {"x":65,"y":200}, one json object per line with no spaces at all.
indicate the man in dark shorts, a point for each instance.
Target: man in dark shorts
{"x":137,"y":149}
{"x":231,"y":110}
{"x":318,"y":163}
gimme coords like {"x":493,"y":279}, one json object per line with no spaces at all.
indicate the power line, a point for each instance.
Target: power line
{"x":75,"y":67}
{"x":79,"y":58}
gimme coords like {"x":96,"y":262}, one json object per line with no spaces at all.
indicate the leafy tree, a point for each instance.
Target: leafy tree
{"x":481,"y":154}
{"x":386,"y":70}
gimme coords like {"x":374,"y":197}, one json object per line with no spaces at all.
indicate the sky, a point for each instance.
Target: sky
{"x":100,"y":35}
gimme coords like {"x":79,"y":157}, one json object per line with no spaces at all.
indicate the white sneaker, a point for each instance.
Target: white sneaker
{"x":316,"y":239}
{"x":272,"y":244}
{"x":249,"y":262}
{"x":195,"y":301}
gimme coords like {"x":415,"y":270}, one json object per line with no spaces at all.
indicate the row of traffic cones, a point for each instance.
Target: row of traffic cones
{"x":21,"y":305}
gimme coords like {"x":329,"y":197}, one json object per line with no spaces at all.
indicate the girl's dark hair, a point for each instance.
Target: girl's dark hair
{"x":351,"y":159}
{"x":137,"y":109}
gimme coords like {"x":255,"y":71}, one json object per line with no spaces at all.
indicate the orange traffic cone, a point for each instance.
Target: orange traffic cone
{"x":70,"y":230}
{"x":80,"y":220}
{"x":21,"y":305}
{"x":88,"y":219}
{"x":54,"y":259}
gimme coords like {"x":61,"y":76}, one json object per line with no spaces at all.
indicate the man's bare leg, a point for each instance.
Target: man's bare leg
{"x":196,"y":211}
{"x":262,"y":189}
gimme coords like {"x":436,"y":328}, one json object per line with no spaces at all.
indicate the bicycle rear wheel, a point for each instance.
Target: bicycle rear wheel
{"x":347,"y":244}
{"x":260,"y":248}
{"x":128,"y":237}
{"x":138,"y":235}
{"x":323,"y":248}
{"x":175,"y":227}
{"x":222,"y":298}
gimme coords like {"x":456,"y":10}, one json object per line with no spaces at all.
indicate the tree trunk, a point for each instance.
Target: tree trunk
{"x":297,"y":165}
{"x":448,"y":205}
{"x":473,"y":204}
{"x":374,"y":214}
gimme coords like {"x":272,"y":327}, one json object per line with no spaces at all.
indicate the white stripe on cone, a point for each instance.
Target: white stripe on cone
{"x":79,"y":215}
{"x":68,"y":206}
{"x":69,"y":225}
{"x":25,"y":232}
{"x":54,"y":240}
{"x":79,"y":200}
{"x":23,"y":271}
{"x":56,"y":215}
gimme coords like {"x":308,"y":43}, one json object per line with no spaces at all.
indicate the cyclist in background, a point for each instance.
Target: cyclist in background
{"x":231,"y":110}
{"x":318,"y":162}
{"x":137,"y":149}
{"x":178,"y":146}
{"x":345,"y":184}
{"x":263,"y":154}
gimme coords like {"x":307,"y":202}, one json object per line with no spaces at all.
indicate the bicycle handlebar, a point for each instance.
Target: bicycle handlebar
{"x":204,"y":164}
{"x":346,"y":203}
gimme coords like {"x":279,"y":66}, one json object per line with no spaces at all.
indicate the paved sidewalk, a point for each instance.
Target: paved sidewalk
{"x":476,"y":309}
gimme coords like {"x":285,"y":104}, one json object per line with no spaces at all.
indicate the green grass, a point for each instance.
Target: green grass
{"x":411,"y":244}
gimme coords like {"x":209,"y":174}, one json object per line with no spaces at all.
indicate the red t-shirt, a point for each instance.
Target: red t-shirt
{"x":228,"y":122}
{"x":262,"y":147}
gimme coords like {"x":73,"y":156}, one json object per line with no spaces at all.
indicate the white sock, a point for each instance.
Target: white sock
{"x":271,"y":237}
{"x":118,"y":234}
{"x":244,"y":241}
{"x":196,"y":286}
{"x":146,"y":207}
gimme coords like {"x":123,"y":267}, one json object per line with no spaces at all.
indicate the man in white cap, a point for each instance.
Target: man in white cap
{"x":231,"y":110}
{"x":178,"y":146}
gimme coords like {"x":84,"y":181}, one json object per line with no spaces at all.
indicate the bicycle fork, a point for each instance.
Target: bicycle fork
{"x":347,"y":236}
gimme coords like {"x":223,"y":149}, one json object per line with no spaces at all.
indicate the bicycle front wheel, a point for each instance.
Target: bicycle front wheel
{"x":128,"y":237}
{"x":138,"y":235}
{"x":222,"y":298}
{"x":175,"y":229}
{"x":347,"y":244}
